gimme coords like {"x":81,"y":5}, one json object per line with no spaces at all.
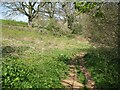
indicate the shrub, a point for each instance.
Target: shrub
{"x":39,"y":22}
{"x":15,"y":74}
{"x":56,"y":27}
{"x":102,"y":62}
{"x":77,"y":28}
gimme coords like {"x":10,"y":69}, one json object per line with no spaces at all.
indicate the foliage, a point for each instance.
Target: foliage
{"x":81,"y":76}
{"x":33,"y":60}
{"x":64,"y":58}
{"x":52,"y":25}
{"x":93,"y":8}
{"x":102,"y":30}
{"x":15,"y":73}
{"x":84,"y":7}
{"x":57,"y":27}
{"x":77,"y":28}
{"x":39,"y":22}
{"x":103,"y":65}
{"x":70,"y":21}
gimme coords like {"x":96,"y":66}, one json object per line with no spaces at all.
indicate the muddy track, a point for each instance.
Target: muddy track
{"x":71,"y":82}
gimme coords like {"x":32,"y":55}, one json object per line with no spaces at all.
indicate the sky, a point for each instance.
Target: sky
{"x":17,"y":18}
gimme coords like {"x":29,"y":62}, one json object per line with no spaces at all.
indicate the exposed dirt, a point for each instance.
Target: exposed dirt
{"x":71,"y":82}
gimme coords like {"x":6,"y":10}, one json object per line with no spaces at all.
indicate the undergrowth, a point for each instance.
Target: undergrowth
{"x":103,"y":65}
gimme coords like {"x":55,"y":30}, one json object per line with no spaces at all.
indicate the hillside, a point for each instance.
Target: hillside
{"x":31,"y":58}
{"x":13,"y":23}
{"x":34,"y":59}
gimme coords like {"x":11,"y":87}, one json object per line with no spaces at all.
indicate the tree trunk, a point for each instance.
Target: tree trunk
{"x":30,"y":21}
{"x":70,"y":20}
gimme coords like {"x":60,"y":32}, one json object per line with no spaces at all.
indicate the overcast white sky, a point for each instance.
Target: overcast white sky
{"x":17,"y":18}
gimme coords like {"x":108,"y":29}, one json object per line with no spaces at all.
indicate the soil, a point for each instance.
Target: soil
{"x":71,"y":82}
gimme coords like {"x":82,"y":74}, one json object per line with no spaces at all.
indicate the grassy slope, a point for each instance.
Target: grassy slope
{"x":31,"y":59}
{"x":12,"y":22}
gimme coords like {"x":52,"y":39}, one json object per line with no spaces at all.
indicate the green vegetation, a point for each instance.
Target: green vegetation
{"x":38,"y":56}
{"x":12,"y":22}
{"x":103,"y":65}
{"x":32,"y":59}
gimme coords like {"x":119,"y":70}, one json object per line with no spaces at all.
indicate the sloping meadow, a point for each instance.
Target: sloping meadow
{"x":35,"y":60}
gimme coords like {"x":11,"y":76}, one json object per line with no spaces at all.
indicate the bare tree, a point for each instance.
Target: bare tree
{"x":68,"y":9}
{"x":29,"y":9}
{"x":49,"y":9}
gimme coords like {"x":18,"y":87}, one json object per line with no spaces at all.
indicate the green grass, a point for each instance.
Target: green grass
{"x":13,"y":23}
{"x":35,"y":60}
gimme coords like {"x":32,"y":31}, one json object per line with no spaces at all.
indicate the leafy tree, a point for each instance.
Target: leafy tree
{"x":84,"y":7}
{"x":89,"y":7}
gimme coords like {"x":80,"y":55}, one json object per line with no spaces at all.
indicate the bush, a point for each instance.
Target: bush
{"x":39,"y":22}
{"x":103,"y":65}
{"x":56,"y":27}
{"x":77,"y":28}
{"x":103,"y":30}
{"x":52,"y":25}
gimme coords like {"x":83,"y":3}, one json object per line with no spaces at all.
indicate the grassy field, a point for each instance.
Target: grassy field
{"x":35,"y":60}
{"x":13,"y":23}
